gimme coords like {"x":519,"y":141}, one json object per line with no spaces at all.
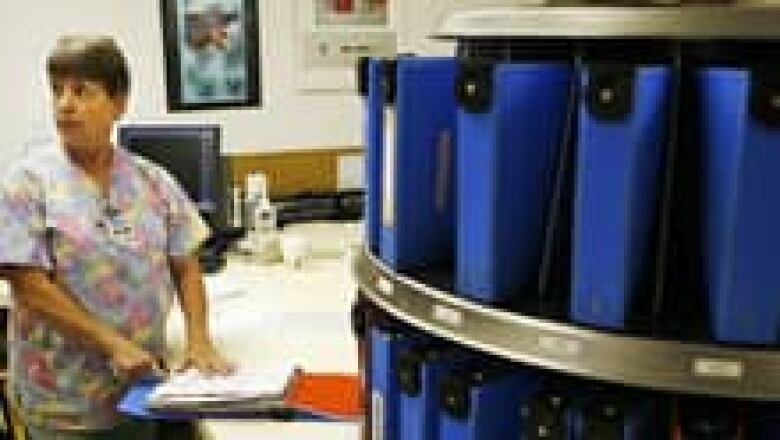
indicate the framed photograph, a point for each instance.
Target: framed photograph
{"x":211,"y":50}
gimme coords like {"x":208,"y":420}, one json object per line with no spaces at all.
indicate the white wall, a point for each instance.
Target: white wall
{"x":288,"y":117}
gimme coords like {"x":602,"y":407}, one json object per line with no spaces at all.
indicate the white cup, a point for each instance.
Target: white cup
{"x":295,"y":250}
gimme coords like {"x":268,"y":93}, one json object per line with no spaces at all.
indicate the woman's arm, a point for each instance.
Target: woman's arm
{"x":34,"y":291}
{"x":200,"y":351}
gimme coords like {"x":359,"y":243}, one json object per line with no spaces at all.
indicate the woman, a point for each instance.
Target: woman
{"x":95,"y":242}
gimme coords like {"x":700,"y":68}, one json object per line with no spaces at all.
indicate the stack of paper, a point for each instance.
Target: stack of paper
{"x":192,"y":389}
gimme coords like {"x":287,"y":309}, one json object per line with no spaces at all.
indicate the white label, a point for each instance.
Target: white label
{"x":721,"y":368}
{"x":388,"y":170}
{"x":384,"y":286}
{"x":447,"y":315}
{"x":559,"y":346}
{"x":377,"y":416}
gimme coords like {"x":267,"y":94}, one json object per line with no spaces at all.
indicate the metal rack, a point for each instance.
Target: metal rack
{"x":666,"y":365}
{"x":644,"y":362}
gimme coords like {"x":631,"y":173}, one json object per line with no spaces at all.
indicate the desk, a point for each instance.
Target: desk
{"x":268,"y":314}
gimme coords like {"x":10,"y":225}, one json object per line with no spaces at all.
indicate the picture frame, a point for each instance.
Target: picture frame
{"x":211,"y":50}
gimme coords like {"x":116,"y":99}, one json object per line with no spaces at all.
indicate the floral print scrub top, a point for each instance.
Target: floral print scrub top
{"x":111,"y":254}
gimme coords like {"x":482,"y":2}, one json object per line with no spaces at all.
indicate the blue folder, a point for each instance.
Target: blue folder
{"x":741,"y":200}
{"x":417,"y":212}
{"x":373,"y":134}
{"x":482,"y":403}
{"x":509,"y":139}
{"x":620,"y":150}
{"x":419,"y":370}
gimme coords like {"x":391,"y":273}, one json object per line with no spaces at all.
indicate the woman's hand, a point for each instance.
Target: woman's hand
{"x":203,"y":357}
{"x":131,"y":362}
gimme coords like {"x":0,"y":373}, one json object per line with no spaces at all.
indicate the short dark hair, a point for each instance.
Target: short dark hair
{"x":95,"y":58}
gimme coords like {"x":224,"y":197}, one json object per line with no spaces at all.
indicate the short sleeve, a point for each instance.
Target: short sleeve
{"x":23,"y":237}
{"x":186,"y":228}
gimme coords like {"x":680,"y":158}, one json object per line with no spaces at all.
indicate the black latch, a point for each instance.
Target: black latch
{"x":454,"y":393}
{"x":765,"y":95}
{"x":604,"y":419}
{"x":389,"y":81}
{"x":474,"y":85}
{"x":545,"y":416}
{"x":709,"y":420}
{"x":610,"y":91}
{"x":409,"y":371}
{"x":361,"y":75}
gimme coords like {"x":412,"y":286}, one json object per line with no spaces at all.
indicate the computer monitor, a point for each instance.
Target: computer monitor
{"x":191,"y":154}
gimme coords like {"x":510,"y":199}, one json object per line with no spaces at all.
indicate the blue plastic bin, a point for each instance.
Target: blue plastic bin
{"x":484,"y":404}
{"x":741,"y":200}
{"x":620,"y":149}
{"x":508,"y":148}
{"x":417,"y":160}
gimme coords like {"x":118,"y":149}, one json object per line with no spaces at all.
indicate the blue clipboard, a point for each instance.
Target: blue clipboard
{"x":135,"y":404}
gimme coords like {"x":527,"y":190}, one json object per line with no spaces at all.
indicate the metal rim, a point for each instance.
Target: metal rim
{"x":662,"y":365}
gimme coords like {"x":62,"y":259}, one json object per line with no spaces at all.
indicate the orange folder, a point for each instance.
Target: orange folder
{"x":330,"y":395}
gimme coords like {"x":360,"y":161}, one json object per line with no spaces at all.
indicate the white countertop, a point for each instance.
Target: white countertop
{"x":259,"y":313}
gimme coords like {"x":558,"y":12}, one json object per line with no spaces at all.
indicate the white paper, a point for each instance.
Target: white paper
{"x":388,"y":169}
{"x":193,"y":386}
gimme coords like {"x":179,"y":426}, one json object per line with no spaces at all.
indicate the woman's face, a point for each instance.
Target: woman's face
{"x":85,"y":113}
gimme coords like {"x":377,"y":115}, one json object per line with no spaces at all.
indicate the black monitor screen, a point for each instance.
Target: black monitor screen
{"x":191,"y":154}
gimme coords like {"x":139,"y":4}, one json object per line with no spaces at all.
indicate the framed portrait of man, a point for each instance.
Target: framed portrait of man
{"x":211,"y":50}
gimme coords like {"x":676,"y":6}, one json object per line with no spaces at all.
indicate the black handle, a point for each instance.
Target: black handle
{"x":605,"y":418}
{"x":545,"y":417}
{"x":409,"y":371}
{"x":610,"y":91}
{"x":361,"y":74}
{"x":765,"y":95}
{"x":474,"y":85}
{"x":454,"y":393}
{"x":389,"y":81}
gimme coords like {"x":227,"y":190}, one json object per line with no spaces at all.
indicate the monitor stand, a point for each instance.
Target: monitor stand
{"x":211,"y":264}
{"x":212,"y":254}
